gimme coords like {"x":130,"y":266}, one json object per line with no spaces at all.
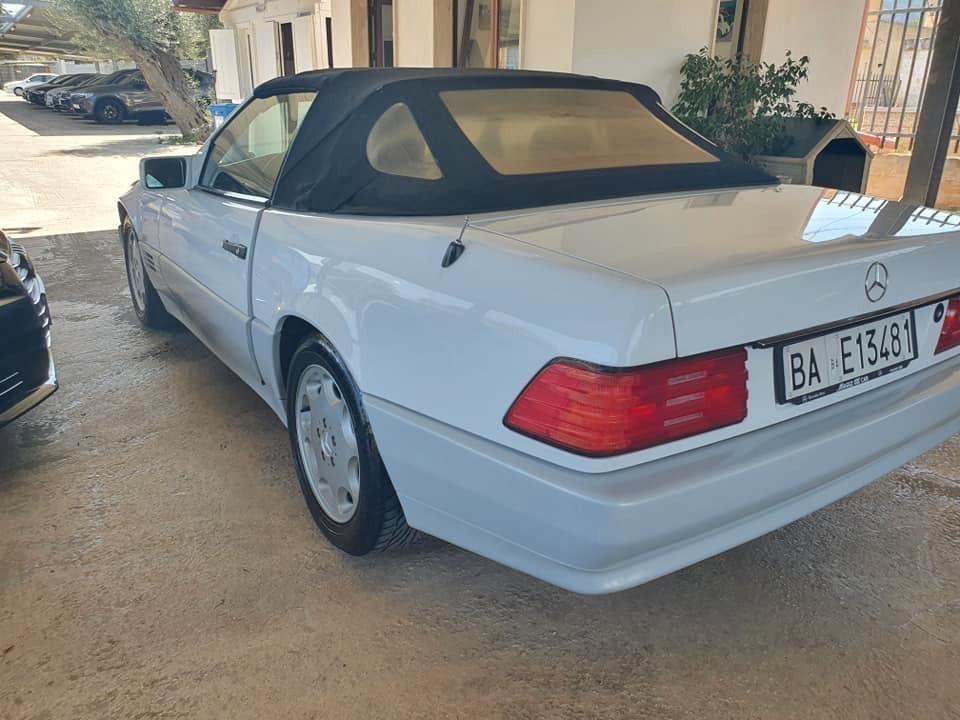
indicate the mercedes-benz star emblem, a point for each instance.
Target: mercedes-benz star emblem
{"x":876,"y":282}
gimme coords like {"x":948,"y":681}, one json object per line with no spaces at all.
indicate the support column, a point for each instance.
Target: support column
{"x":423,"y":33}
{"x":351,"y":33}
{"x":935,"y":124}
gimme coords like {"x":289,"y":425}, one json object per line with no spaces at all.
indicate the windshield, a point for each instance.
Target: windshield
{"x":76,"y":80}
{"x":114,"y":78}
{"x":525,"y":131}
{"x":91,"y":81}
{"x":134,"y":78}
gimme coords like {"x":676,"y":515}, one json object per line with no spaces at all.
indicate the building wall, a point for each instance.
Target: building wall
{"x":888,"y":176}
{"x":641,"y":41}
{"x":828,"y":32}
{"x":637,"y":40}
{"x":351,"y":33}
{"x":252,"y":57}
{"x":547,"y":33}
{"x":423,"y":33}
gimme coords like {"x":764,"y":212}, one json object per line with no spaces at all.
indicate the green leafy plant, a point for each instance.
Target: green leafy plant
{"x":741,"y":105}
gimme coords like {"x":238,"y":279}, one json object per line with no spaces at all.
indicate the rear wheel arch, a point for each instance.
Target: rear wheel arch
{"x":292,"y":331}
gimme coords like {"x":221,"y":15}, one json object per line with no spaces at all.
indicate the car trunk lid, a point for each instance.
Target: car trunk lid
{"x":743,"y":266}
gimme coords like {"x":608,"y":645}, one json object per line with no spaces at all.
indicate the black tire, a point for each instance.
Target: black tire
{"x":109,"y":112}
{"x":150,"y":312}
{"x":18,"y":92}
{"x":378,"y":523}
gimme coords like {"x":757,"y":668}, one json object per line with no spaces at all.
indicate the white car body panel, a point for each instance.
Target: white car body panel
{"x":465,"y":339}
{"x":440,"y":354}
{"x":210,"y":286}
{"x":779,"y":254}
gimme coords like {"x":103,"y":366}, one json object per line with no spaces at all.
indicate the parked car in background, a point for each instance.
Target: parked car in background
{"x":17,"y":87}
{"x":54,"y":98}
{"x":132,"y":99}
{"x":38,"y":94}
{"x":27,"y":375}
{"x":69,"y":100}
{"x":535,"y":315}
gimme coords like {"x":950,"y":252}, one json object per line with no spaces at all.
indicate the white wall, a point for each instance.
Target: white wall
{"x":642,"y":41}
{"x":413,"y":35}
{"x":350,"y":33}
{"x":261,"y":25}
{"x":547,"y":33}
{"x":828,"y":31}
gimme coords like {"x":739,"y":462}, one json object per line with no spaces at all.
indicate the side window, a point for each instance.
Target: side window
{"x":396,"y":146}
{"x":246,"y":156}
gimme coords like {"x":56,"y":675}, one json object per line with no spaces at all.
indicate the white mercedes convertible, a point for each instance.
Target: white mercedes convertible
{"x":536,"y":316}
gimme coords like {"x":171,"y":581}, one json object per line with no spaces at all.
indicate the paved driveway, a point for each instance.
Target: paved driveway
{"x":156,"y":559}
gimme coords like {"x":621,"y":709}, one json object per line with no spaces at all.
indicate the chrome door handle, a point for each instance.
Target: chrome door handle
{"x":235,"y":249}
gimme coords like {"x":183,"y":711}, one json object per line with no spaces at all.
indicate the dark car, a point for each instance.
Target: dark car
{"x":27,"y":375}
{"x":58,"y":81}
{"x":132,"y":99}
{"x":57,"y":97}
{"x":70,"y":97}
{"x":38,"y":94}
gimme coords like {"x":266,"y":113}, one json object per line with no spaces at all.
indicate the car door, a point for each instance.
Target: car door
{"x":207,"y":232}
{"x":138,"y":98}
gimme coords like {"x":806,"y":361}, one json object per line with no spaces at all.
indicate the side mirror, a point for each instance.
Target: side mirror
{"x":163,"y":173}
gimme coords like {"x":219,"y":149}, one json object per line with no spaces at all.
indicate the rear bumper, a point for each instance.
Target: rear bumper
{"x":599,"y":533}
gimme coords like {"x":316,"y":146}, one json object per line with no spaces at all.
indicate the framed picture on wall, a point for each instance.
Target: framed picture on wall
{"x":483,"y":16}
{"x":726,"y":20}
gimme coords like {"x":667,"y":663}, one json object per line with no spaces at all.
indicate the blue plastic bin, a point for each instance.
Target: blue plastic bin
{"x":220,"y":112}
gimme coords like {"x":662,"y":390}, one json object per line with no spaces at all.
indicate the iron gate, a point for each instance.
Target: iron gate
{"x":892,"y":70}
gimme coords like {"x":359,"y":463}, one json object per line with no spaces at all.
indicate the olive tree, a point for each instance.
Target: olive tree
{"x":155,"y":37}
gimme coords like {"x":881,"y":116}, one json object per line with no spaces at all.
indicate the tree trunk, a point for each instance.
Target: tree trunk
{"x":161,"y":69}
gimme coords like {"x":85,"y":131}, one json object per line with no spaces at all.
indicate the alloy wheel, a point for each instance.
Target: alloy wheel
{"x":327,"y":443}
{"x":136,"y":273}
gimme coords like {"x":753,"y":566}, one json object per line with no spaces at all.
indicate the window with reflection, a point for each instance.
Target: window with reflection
{"x":247,"y":153}
{"x":488,"y":33}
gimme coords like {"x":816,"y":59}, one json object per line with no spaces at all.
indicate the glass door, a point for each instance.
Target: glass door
{"x":488,"y":33}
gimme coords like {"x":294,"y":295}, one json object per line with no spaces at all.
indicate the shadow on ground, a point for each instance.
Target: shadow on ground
{"x":46,"y":122}
{"x":127,"y":146}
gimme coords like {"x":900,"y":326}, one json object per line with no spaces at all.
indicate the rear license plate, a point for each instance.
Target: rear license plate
{"x":839,"y":360}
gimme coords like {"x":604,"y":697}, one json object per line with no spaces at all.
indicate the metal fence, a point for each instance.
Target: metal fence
{"x":895,"y":54}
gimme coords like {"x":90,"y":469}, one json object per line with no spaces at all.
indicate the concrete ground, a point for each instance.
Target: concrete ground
{"x":157,"y":560}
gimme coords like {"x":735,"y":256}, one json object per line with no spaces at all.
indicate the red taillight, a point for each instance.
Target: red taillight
{"x":950,"y":331}
{"x":605,"y":411}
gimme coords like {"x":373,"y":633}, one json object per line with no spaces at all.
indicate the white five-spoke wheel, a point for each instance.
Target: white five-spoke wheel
{"x":146,"y":302}
{"x":135,"y":273}
{"x":327,"y":441}
{"x":341,"y":474}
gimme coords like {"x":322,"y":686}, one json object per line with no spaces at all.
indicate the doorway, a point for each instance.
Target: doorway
{"x":287,"y":64}
{"x":381,"y":33}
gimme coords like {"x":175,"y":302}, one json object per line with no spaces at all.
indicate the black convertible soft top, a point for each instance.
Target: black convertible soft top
{"x":327,"y":169}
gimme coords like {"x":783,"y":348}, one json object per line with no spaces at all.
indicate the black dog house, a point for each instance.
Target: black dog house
{"x":826,"y":153}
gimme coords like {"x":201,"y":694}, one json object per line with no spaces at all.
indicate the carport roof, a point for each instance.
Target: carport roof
{"x":29,"y":28}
